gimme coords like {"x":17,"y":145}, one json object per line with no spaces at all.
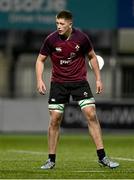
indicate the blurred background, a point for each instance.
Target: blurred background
{"x":23,"y":27}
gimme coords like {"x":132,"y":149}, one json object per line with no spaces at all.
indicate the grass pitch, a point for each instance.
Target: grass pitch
{"x":22,"y":155}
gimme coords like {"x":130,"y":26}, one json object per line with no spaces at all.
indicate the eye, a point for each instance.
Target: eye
{"x":62,"y":24}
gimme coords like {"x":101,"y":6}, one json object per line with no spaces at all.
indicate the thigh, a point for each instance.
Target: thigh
{"x":58,"y":93}
{"x":81,"y":90}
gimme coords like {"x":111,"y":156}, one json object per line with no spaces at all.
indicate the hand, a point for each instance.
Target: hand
{"x":99,"y":87}
{"x":41,"y":87}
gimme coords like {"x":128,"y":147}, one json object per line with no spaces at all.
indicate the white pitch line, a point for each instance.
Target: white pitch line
{"x":28,"y":152}
{"x":44,"y":153}
{"x":124,"y":159}
{"x":91,"y":171}
{"x":101,"y":171}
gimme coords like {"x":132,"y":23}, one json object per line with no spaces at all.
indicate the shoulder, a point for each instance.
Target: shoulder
{"x":79,"y":33}
{"x":51,"y":37}
{"x":84,"y":40}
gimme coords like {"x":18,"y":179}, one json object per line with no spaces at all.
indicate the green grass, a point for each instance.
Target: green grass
{"x":22,"y":155}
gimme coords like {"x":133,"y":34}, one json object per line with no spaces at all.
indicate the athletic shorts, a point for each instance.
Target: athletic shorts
{"x":60,"y":92}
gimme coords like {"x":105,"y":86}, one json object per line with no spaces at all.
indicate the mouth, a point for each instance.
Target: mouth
{"x":60,"y":31}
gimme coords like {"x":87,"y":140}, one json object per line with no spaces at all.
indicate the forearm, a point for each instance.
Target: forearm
{"x":40,"y":67}
{"x":95,"y":68}
{"x":39,"y":74}
{"x":39,"y":70}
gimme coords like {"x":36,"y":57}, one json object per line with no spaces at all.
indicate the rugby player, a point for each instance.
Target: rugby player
{"x":67,"y":48}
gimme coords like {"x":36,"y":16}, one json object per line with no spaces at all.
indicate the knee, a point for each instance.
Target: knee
{"x":55,"y":121}
{"x":92,"y":116}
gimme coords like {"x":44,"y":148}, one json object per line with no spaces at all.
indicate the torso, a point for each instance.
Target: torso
{"x":67,"y":56}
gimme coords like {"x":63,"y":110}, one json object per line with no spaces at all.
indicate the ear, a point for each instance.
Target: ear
{"x":70,"y":25}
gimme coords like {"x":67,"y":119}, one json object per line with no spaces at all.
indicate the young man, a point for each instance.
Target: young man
{"x":67,"y":48}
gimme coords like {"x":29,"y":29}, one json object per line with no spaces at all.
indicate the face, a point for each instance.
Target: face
{"x":63,"y":26}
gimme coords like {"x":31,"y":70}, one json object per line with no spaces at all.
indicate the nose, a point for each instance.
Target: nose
{"x":58,"y":26}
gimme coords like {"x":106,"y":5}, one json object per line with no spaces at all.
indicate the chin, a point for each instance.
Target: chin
{"x":61,"y":33}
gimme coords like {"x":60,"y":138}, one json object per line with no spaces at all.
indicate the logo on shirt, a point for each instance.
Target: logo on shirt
{"x":64,"y":62}
{"x":72,"y":55}
{"x":69,"y":59}
{"x":58,"y":49}
{"x":77,"y":47}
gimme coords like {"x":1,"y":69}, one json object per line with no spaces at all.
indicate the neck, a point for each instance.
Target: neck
{"x":68,"y":34}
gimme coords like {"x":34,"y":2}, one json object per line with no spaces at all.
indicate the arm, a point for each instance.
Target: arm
{"x":41,"y":87}
{"x":95,"y":66}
